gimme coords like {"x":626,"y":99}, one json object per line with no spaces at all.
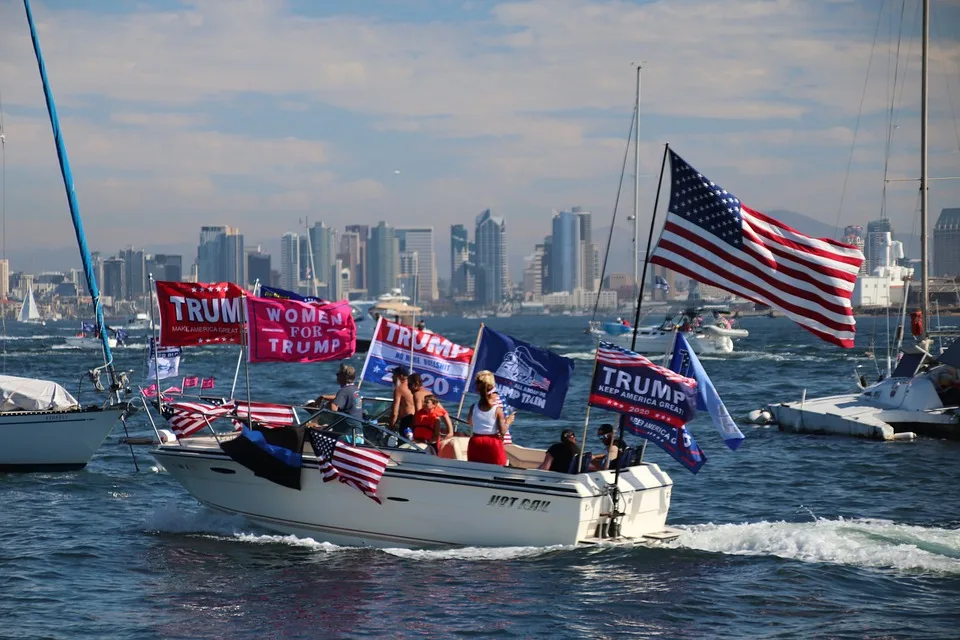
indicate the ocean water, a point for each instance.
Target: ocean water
{"x":789,"y":537}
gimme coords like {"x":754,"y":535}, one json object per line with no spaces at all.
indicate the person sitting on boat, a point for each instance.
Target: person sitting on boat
{"x":428,"y":420}
{"x":560,"y":454}
{"x":685,"y":324}
{"x":347,"y":399}
{"x":625,"y":323}
{"x":401,"y":414}
{"x":609,"y":458}
{"x":415,"y":383}
{"x":488,"y":422}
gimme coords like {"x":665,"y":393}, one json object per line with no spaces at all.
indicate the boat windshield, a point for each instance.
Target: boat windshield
{"x":360,"y":433}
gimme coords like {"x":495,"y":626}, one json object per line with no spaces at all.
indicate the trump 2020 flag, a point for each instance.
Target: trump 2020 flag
{"x":443,"y":365}
{"x":677,"y":441}
{"x":163,"y":362}
{"x":528,"y":377}
{"x":686,"y":363}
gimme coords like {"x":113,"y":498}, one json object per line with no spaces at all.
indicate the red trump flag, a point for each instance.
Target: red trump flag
{"x":193,"y":313}
{"x":293,"y":331}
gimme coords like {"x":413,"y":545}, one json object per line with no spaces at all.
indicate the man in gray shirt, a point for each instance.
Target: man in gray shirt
{"x":347,"y":400}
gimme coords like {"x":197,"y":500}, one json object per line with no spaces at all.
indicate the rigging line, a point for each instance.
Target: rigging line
{"x":856,"y":129}
{"x":946,"y":77}
{"x":616,"y":204}
{"x":3,"y":238}
{"x":891,"y":116}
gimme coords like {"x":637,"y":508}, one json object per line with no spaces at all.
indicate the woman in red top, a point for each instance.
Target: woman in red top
{"x":427,"y":421}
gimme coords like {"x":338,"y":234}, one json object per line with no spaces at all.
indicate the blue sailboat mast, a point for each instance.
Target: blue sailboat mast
{"x":71,"y":196}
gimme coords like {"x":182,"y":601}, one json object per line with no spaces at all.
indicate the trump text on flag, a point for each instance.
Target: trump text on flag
{"x":294,"y":331}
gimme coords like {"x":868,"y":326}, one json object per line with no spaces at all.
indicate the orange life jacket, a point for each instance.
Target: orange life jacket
{"x":424,"y":422}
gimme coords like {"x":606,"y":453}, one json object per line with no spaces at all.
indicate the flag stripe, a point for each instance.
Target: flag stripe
{"x":712,"y":237}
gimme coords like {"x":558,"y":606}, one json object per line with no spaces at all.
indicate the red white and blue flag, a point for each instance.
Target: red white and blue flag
{"x":186,"y":418}
{"x":358,"y":467}
{"x":266,"y":413}
{"x":443,"y":365}
{"x":712,"y":237}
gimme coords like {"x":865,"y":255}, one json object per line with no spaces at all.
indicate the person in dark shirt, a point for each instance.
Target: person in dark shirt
{"x":560,"y":455}
{"x":612,"y":445}
{"x":347,"y":399}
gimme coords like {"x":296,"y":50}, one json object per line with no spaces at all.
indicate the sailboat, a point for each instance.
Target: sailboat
{"x":922,"y":395}
{"x":42,"y":426}
{"x":705,"y":335}
{"x":29,"y":312}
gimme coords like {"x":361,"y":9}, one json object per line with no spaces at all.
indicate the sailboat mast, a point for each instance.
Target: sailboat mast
{"x":924,"y":100}
{"x":636,"y":198}
{"x":71,"y":196}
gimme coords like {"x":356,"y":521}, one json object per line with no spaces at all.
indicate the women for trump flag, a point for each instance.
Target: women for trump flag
{"x":528,"y":377}
{"x":293,"y":331}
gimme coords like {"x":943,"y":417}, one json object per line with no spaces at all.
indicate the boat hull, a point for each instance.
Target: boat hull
{"x":53,"y":440}
{"x":429,"y":502}
{"x":87,"y":342}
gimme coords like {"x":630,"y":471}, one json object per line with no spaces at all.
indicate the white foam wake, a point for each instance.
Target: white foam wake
{"x":880,"y":544}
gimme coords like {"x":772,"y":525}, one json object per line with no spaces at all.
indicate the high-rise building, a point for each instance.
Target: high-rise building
{"x":533,"y":274}
{"x":491,"y":260}
{"x":946,"y":243}
{"x":114,"y":278}
{"x":382,"y":260}
{"x":323,"y":243}
{"x":220,"y":256}
{"x":258,"y":267}
{"x":462,"y":256}
{"x":589,"y":270}
{"x":136,"y":279}
{"x":4,"y":278}
{"x":546,"y":277}
{"x":566,"y":253}
{"x":420,"y":240}
{"x":853,"y":235}
{"x":164,"y":266}
{"x":408,"y":275}
{"x":359,"y":270}
{"x":290,"y":261}
{"x":874,"y":245}
{"x":349,"y":254}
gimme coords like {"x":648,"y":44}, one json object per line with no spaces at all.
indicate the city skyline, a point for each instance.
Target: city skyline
{"x":167,"y":130}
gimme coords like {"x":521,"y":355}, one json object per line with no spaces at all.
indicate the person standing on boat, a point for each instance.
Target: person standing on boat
{"x":415,"y":383}
{"x":401,"y":415}
{"x":611,"y":457}
{"x":560,"y":455}
{"x":489,"y":424}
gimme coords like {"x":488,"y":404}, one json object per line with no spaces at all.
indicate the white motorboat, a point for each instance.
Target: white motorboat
{"x":44,"y":428}
{"x":82,"y":341}
{"x":705,"y":336}
{"x":429,"y":500}
{"x":138,"y":322}
{"x":921,"y":397}
{"x":29,"y":311}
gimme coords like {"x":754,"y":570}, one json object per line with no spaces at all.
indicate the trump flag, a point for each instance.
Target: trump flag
{"x":193,"y":313}
{"x":528,"y":377}
{"x":293,"y":331}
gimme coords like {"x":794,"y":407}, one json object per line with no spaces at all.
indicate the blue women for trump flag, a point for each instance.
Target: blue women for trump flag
{"x":686,"y":363}
{"x":528,"y":377}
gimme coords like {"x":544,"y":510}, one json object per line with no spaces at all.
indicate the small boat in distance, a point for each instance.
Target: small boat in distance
{"x":138,"y":322}
{"x":29,"y":312}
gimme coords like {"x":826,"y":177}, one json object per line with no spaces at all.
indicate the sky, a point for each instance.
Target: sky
{"x":260,"y":113}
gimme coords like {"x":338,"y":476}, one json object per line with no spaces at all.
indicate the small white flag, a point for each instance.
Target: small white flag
{"x":163,"y":362}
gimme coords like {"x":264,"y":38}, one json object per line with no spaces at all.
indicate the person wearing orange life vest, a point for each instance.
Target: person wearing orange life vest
{"x":427,"y":423}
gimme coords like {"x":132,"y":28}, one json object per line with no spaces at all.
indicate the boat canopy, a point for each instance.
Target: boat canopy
{"x":33,"y":394}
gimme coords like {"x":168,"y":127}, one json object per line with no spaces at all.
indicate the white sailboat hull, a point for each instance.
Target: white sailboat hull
{"x":428,"y":501}
{"x":89,"y":342}
{"x":653,"y":341}
{"x":53,"y":440}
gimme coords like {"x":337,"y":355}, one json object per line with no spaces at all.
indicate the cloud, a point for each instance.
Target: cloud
{"x":245,"y":110}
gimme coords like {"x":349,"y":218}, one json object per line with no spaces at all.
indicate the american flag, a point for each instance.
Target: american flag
{"x":361,"y":468}
{"x":186,"y":418}
{"x":715,"y":239}
{"x":496,"y":401}
{"x":266,"y":413}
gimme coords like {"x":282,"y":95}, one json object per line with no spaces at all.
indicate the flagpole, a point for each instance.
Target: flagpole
{"x":245,"y":343}
{"x":156,"y":344}
{"x":236,"y":372}
{"x":376,"y":332}
{"x":473,"y":362}
{"x":646,"y":256}
{"x":586,"y":419}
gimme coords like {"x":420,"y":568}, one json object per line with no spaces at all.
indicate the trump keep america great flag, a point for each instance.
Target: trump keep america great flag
{"x":715,"y":239}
